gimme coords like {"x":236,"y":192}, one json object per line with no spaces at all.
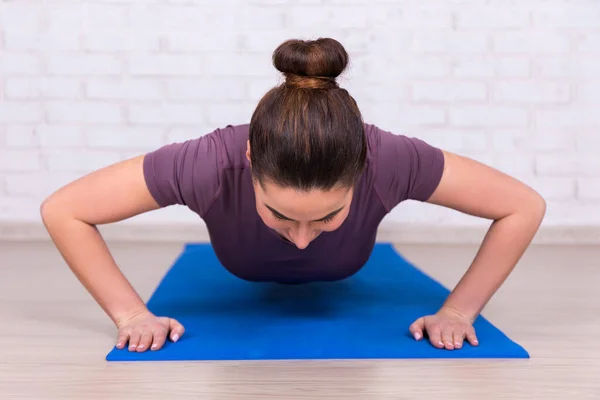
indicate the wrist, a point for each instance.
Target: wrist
{"x":123,"y":317}
{"x":451,"y":310}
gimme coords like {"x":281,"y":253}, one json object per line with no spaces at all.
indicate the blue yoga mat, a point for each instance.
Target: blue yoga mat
{"x":364,"y":316}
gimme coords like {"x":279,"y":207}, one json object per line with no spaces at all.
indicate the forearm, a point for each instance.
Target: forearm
{"x":503,"y":246}
{"x":88,"y":256}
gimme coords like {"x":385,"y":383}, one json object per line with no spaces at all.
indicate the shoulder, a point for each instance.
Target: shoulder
{"x":190,"y":172}
{"x":404,"y":167}
{"x":232,"y":140}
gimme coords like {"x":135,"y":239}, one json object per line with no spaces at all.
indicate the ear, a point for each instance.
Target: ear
{"x":248,"y":150}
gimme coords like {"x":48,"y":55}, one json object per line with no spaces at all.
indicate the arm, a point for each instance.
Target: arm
{"x":70,"y":216}
{"x":516,"y":211}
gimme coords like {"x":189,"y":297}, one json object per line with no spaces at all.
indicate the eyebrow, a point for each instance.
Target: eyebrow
{"x":331,"y":214}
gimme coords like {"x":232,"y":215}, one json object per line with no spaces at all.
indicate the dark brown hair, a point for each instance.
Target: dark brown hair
{"x":307,"y":133}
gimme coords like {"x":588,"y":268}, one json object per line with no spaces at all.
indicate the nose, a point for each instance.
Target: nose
{"x":301,"y":236}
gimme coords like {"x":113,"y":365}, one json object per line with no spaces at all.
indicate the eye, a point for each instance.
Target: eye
{"x":279,"y":217}
{"x":328,"y":219}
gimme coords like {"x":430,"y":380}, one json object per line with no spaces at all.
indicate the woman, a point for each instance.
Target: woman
{"x":295,"y":196}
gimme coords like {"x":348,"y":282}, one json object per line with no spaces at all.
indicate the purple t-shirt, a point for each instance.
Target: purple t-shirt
{"x":211,"y":176}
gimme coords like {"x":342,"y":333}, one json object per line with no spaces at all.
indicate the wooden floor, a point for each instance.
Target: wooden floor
{"x":54,"y":338}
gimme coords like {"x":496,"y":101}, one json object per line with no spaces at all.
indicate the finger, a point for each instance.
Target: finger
{"x":134,"y":340}
{"x":122,"y":339}
{"x":447,"y":333}
{"x":145,"y":340}
{"x":458,"y":337}
{"x":160,"y":337}
{"x":416,"y":328}
{"x":435,"y":335}
{"x":472,"y":337}
{"x":177,"y":330}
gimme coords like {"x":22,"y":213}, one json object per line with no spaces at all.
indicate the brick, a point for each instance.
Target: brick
{"x":417,"y":66}
{"x":577,"y":66}
{"x":455,"y":140}
{"x":20,"y":208}
{"x":146,"y":18}
{"x":262,"y":18}
{"x":257,"y":88}
{"x":61,"y":136}
{"x":492,"y":116}
{"x":571,"y":117}
{"x":84,"y":161}
{"x":587,"y":141}
{"x":510,"y":139}
{"x":492,"y":17}
{"x":427,"y":67}
{"x":514,"y":163}
{"x":512,"y":67}
{"x":414,"y":17}
{"x":67,"y":112}
{"x":166,"y":64}
{"x":221,"y":114}
{"x":588,"y":93}
{"x":307,"y":17}
{"x":173,"y":18}
{"x":448,"y":41}
{"x":348,"y":17}
{"x":61,"y":41}
{"x":125,"y":89}
{"x":587,"y":42}
{"x":19,"y":64}
{"x":21,"y":136}
{"x":449,"y":92}
{"x":128,"y":138}
{"x":42,"y":88}
{"x":554,"y":188}
{"x":536,"y":42}
{"x":265,"y":40}
{"x":177,"y":42}
{"x":551,"y":140}
{"x":103,"y":17}
{"x":574,"y":16}
{"x":15,"y":112}
{"x":65,"y":18}
{"x":108,"y":42}
{"x":571,"y":164}
{"x":588,"y":189}
{"x":531,"y":92}
{"x":19,"y":160}
{"x":213,"y":89}
{"x":398,"y":115}
{"x":20,"y":17}
{"x":84,"y":64}
{"x":167,"y":113}
{"x":239,"y":64}
{"x":38,"y":184}
{"x":394,"y":91}
{"x":488,"y":66}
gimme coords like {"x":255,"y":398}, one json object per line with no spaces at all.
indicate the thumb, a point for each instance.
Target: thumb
{"x":177,"y":330}
{"x":416,"y":328}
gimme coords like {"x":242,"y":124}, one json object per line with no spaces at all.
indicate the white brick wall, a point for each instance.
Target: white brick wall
{"x":87,"y":83}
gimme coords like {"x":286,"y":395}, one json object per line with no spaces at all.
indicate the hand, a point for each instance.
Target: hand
{"x":446,"y":329}
{"x":146,"y":331}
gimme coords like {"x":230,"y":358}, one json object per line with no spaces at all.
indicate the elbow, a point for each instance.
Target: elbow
{"x":49,"y":209}
{"x":537,"y":207}
{"x":46,"y":210}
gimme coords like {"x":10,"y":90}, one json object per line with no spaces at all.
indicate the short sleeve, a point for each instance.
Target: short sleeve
{"x":407,"y":168}
{"x":186,"y":173}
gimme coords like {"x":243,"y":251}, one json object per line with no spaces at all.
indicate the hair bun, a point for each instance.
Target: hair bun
{"x":313,"y":64}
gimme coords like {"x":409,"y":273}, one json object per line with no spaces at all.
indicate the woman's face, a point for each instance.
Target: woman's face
{"x":301,"y":216}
